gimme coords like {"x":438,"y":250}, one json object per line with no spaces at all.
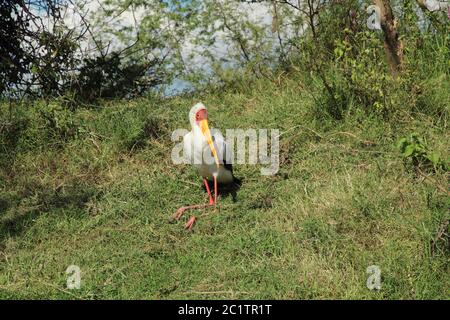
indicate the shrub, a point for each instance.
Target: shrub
{"x":415,"y":148}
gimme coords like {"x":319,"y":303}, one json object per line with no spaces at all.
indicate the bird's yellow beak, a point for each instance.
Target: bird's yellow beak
{"x":205,"y":130}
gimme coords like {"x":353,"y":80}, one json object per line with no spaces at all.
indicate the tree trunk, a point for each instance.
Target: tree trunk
{"x":392,"y":45}
{"x":274,"y":17}
{"x":421,"y":4}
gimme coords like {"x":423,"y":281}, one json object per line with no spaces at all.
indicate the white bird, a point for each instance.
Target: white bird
{"x":209,"y":154}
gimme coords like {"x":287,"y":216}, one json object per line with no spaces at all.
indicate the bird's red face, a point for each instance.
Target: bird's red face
{"x":201,"y":114}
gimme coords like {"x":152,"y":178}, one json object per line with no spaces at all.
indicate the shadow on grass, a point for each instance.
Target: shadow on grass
{"x":16,"y":222}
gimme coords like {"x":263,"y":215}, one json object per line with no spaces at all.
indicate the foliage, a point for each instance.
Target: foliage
{"x":134,"y":47}
{"x":43,"y":56}
{"x":14,"y":60}
{"x":108,"y":77}
{"x":59,"y":123}
{"x":37,"y":48}
{"x":415,"y":148}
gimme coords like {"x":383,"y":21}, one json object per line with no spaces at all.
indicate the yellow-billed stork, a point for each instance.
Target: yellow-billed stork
{"x":208,"y":153}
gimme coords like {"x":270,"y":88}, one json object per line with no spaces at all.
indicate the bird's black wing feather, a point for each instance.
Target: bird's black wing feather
{"x":228,"y":166}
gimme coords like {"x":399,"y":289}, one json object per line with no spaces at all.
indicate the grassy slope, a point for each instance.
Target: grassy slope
{"x":341,"y":202}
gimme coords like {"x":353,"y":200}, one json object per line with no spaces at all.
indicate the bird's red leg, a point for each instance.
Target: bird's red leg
{"x":192,"y":219}
{"x":211,"y":201}
{"x":215,"y":190}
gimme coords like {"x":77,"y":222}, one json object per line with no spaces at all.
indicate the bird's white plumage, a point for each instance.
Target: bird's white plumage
{"x":195,"y":148}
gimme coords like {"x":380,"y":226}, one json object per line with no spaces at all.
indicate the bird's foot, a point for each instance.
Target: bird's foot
{"x":190,"y":223}
{"x":177,"y":215}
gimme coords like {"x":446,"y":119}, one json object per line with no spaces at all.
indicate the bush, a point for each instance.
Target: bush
{"x":60,"y":123}
{"x":110,"y":77}
{"x":415,"y":148}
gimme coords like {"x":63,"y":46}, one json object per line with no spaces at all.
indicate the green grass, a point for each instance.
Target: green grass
{"x":96,"y":190}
